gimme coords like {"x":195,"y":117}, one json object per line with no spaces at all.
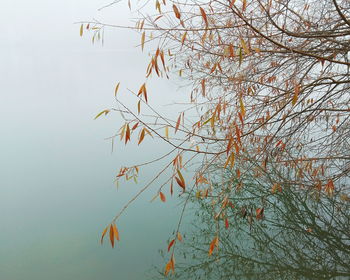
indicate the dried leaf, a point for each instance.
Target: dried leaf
{"x":162,"y":196}
{"x":143,"y":36}
{"x":167,"y":132}
{"x":242,"y":106}
{"x":127,"y":134}
{"x":116,"y":89}
{"x":81,"y":30}
{"x":180,"y":183}
{"x":171,"y":244}
{"x":214,"y":243}
{"x":103,"y":112}
{"x":142,"y":136}
{"x":178,"y":123}
{"x":183,"y":38}
{"x":115,"y":231}
{"x":111,"y":235}
{"x":176,"y":11}
{"x":179,"y":237}
{"x":296,"y":94}
{"x":103,"y":234}
{"x":204,"y":16}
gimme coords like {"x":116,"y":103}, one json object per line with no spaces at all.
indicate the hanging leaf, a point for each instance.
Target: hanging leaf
{"x":167,"y":132}
{"x":170,"y":266}
{"x":214,"y":243}
{"x":296,"y":94}
{"x":111,"y":235}
{"x":204,"y":16}
{"x":142,"y":136}
{"x":242,"y":106}
{"x":138,"y":107}
{"x":162,"y":197}
{"x":115,"y":231}
{"x":179,"y":237}
{"x":116,"y":89}
{"x":135,"y":126}
{"x":180,"y":183}
{"x":183,"y":38}
{"x":259,"y":213}
{"x":176,"y":11}
{"x":103,"y":234}
{"x":101,"y":113}
{"x":81,"y":30}
{"x":203,"y":87}
{"x":244,"y":5}
{"x":178,"y":123}
{"x":127,"y":134}
{"x":171,"y":244}
{"x":143,"y":36}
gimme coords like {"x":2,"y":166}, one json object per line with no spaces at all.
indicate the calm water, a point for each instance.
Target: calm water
{"x":57,"y":172}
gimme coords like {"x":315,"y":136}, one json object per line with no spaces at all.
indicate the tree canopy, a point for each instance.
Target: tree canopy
{"x":269,"y":98}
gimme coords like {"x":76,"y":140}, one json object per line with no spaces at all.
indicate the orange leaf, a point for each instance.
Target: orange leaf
{"x":115,"y":231}
{"x":135,"y":126}
{"x":242,"y":106}
{"x":259,"y":213}
{"x":183,"y":38}
{"x":127,"y":134}
{"x":296,"y":94}
{"x":203,"y":87}
{"x":176,"y":11}
{"x":143,"y":39}
{"x":111,"y":235}
{"x":170,"y":265}
{"x":103,"y":234}
{"x":180,"y":183}
{"x":204,"y":16}
{"x":171,"y":244}
{"x":178,"y":123}
{"x":142,"y":135}
{"x":179,"y":237}
{"x":214,"y":243}
{"x":138,"y":107}
{"x":162,"y":196}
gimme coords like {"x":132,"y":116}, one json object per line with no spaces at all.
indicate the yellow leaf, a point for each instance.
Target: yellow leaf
{"x":242,"y":106}
{"x":244,"y":46}
{"x":116,"y":89}
{"x":244,"y":5}
{"x":81,"y":30}
{"x":183,"y":38}
{"x":178,"y":123}
{"x":103,"y":112}
{"x":296,"y":94}
{"x":143,"y":39}
{"x":158,"y":6}
{"x":167,"y":132}
{"x":142,"y":136}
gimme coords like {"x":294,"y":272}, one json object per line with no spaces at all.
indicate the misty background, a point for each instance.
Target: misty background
{"x":57,"y":171}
